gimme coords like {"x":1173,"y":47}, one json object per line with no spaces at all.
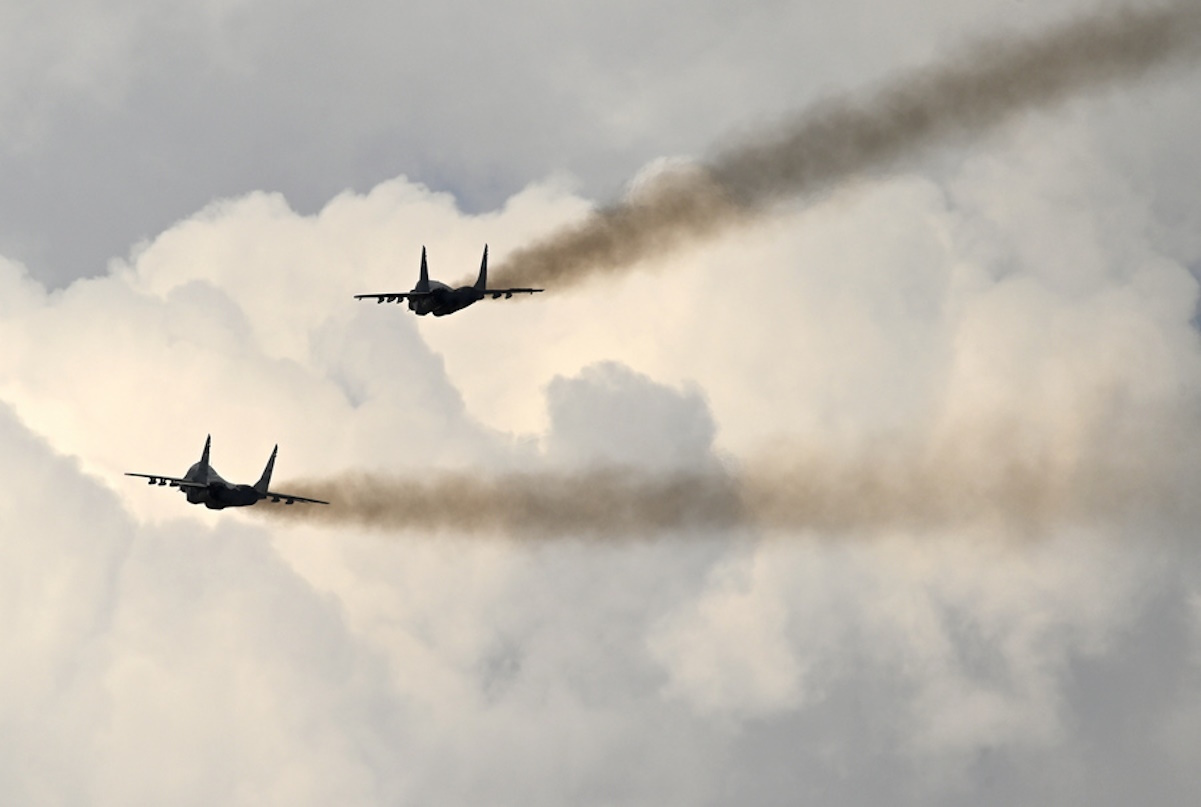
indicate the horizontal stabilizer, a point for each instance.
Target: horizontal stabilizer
{"x":507,"y":293}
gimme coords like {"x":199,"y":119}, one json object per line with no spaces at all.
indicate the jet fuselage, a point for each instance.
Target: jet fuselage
{"x":444,"y":300}
{"x":218,"y":493}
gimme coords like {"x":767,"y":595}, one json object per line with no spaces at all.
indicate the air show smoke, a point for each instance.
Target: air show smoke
{"x":848,"y":136}
{"x":891,"y":487}
{"x":1102,"y":460}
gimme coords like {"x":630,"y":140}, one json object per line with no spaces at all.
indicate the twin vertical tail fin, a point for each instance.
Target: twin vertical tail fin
{"x":265,"y":480}
{"x":204,"y":458}
{"x":481,"y":282}
{"x":423,"y":283}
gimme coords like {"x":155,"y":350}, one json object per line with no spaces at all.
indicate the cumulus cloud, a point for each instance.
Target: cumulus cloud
{"x":1025,"y":292}
{"x":126,"y":641}
{"x":611,"y":415}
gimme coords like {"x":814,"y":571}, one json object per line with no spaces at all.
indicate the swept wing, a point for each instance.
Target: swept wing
{"x":173,"y":481}
{"x":400,"y":296}
{"x":395,"y":297}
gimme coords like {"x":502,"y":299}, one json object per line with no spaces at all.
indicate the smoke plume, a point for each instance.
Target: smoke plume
{"x":842,"y":137}
{"x":1116,"y":464}
{"x":893,"y":486}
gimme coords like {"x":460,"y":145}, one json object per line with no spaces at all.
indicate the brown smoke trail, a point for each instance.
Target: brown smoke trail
{"x":844,"y":137}
{"x":602,"y":502}
{"x":793,"y":492}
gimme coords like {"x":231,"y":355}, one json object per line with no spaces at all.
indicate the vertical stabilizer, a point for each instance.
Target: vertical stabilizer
{"x":204,"y":457}
{"x":481,"y":282}
{"x":265,"y":479}
{"x":423,"y":283}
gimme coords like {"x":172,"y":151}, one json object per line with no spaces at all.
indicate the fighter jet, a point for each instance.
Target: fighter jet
{"x":439,"y":299}
{"x":202,"y":485}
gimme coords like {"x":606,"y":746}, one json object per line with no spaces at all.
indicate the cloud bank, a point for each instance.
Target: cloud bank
{"x":379,"y":671}
{"x":1031,"y":308}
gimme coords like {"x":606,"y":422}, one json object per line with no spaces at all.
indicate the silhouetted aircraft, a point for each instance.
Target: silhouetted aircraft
{"x":203,"y":485}
{"x":439,"y":299}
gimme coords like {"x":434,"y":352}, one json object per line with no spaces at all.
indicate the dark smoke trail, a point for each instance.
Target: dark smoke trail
{"x":844,"y":137}
{"x":601,"y":502}
{"x":893,"y":488}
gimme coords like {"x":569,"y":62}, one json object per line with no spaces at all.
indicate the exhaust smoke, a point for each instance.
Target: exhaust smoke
{"x":843,"y":137}
{"x":1125,"y":468}
{"x":1112,"y":464}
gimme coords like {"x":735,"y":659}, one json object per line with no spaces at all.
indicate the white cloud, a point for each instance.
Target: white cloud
{"x":611,"y":415}
{"x":262,"y":662}
{"x":178,"y":663}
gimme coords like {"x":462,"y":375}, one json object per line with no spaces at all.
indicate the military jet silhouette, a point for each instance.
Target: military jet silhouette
{"x":439,"y":299}
{"x":203,"y":485}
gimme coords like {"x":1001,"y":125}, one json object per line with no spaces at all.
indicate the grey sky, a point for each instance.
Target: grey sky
{"x":122,"y":119}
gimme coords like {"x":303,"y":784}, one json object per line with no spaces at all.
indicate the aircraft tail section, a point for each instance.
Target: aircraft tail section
{"x":265,"y":480}
{"x":423,"y":283}
{"x":481,"y":282}
{"x":204,"y":457}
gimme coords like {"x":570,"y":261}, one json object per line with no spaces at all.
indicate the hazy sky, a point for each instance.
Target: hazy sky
{"x":190,"y":194}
